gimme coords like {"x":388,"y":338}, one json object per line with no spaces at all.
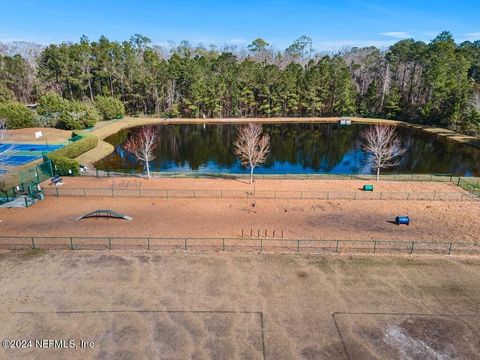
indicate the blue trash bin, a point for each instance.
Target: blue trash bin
{"x":402,"y":220}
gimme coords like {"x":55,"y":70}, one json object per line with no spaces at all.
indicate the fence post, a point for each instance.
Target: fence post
{"x":112,"y":192}
{"x":56,"y":190}
{"x":374,"y":246}
{"x":186,"y":248}
{"x":411,"y":249}
{"x":298,"y":246}
{"x":71,"y":243}
{"x":336,"y":248}
{"x":261,"y":245}
{"x":84,"y":192}
{"x":450,"y":249}
{"x":223,"y":244}
{"x":139,"y":192}
{"x":148,"y":243}
{"x":33,"y":244}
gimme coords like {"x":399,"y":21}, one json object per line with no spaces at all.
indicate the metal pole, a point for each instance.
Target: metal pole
{"x":33,"y":244}
{"x":411,"y":250}
{"x":223,"y":244}
{"x":71,"y":244}
{"x":450,"y":249}
{"x":374,"y":246}
{"x":109,"y":243}
{"x":148,"y":243}
{"x":298,"y":245}
{"x":186,"y":244}
{"x":336,"y":248}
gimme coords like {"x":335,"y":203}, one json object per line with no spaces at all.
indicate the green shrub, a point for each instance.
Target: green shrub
{"x":17,"y":116}
{"x":109,"y":107}
{"x":78,"y":115}
{"x":65,"y":114}
{"x":51,"y":103}
{"x":64,"y":158}
{"x":6,"y":94}
{"x":63,"y":165}
{"x":79,"y":147}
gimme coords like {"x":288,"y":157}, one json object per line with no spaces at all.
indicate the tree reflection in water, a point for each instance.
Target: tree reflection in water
{"x":295,"y":148}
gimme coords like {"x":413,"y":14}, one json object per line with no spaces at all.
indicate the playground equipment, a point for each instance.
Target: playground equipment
{"x":260,"y":233}
{"x":402,"y":220}
{"x":367,"y":187}
{"x":109,"y":214}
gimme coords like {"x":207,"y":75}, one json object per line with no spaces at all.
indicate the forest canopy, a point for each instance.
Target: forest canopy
{"x":434,"y":83}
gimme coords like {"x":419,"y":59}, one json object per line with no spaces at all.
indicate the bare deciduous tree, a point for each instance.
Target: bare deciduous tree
{"x":383,"y":146}
{"x":251,"y":146}
{"x":142,"y":144}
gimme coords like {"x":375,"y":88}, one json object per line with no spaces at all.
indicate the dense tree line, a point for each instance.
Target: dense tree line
{"x":435,"y":83}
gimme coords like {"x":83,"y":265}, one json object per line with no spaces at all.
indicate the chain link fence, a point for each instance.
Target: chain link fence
{"x":262,"y":245}
{"x":314,"y":176}
{"x":258,"y":194}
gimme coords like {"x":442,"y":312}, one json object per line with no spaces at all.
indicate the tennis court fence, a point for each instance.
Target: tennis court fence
{"x":242,"y":244}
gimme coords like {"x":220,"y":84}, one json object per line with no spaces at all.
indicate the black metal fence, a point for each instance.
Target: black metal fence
{"x":261,"y":245}
{"x":258,"y":194}
{"x":314,"y":176}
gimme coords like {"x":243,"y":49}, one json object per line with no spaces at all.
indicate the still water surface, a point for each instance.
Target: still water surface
{"x":295,"y":148}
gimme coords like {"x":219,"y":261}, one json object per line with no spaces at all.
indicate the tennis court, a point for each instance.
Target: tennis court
{"x":20,"y":154}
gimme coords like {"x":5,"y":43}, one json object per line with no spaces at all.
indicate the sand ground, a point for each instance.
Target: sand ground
{"x":53,"y":136}
{"x":227,"y":217}
{"x":240,"y":306}
{"x":260,"y":184}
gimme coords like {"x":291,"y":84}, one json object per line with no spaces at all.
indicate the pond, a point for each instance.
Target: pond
{"x":295,"y":149}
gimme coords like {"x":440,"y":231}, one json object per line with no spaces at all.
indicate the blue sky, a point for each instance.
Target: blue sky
{"x":331,"y":24}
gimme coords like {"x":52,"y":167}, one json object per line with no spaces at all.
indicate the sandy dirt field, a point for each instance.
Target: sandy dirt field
{"x":240,"y":306}
{"x":207,"y":217}
{"x":260,"y":184}
{"x":28,"y":135}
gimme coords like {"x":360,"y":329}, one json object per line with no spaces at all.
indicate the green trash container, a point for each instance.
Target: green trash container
{"x":368,"y":187}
